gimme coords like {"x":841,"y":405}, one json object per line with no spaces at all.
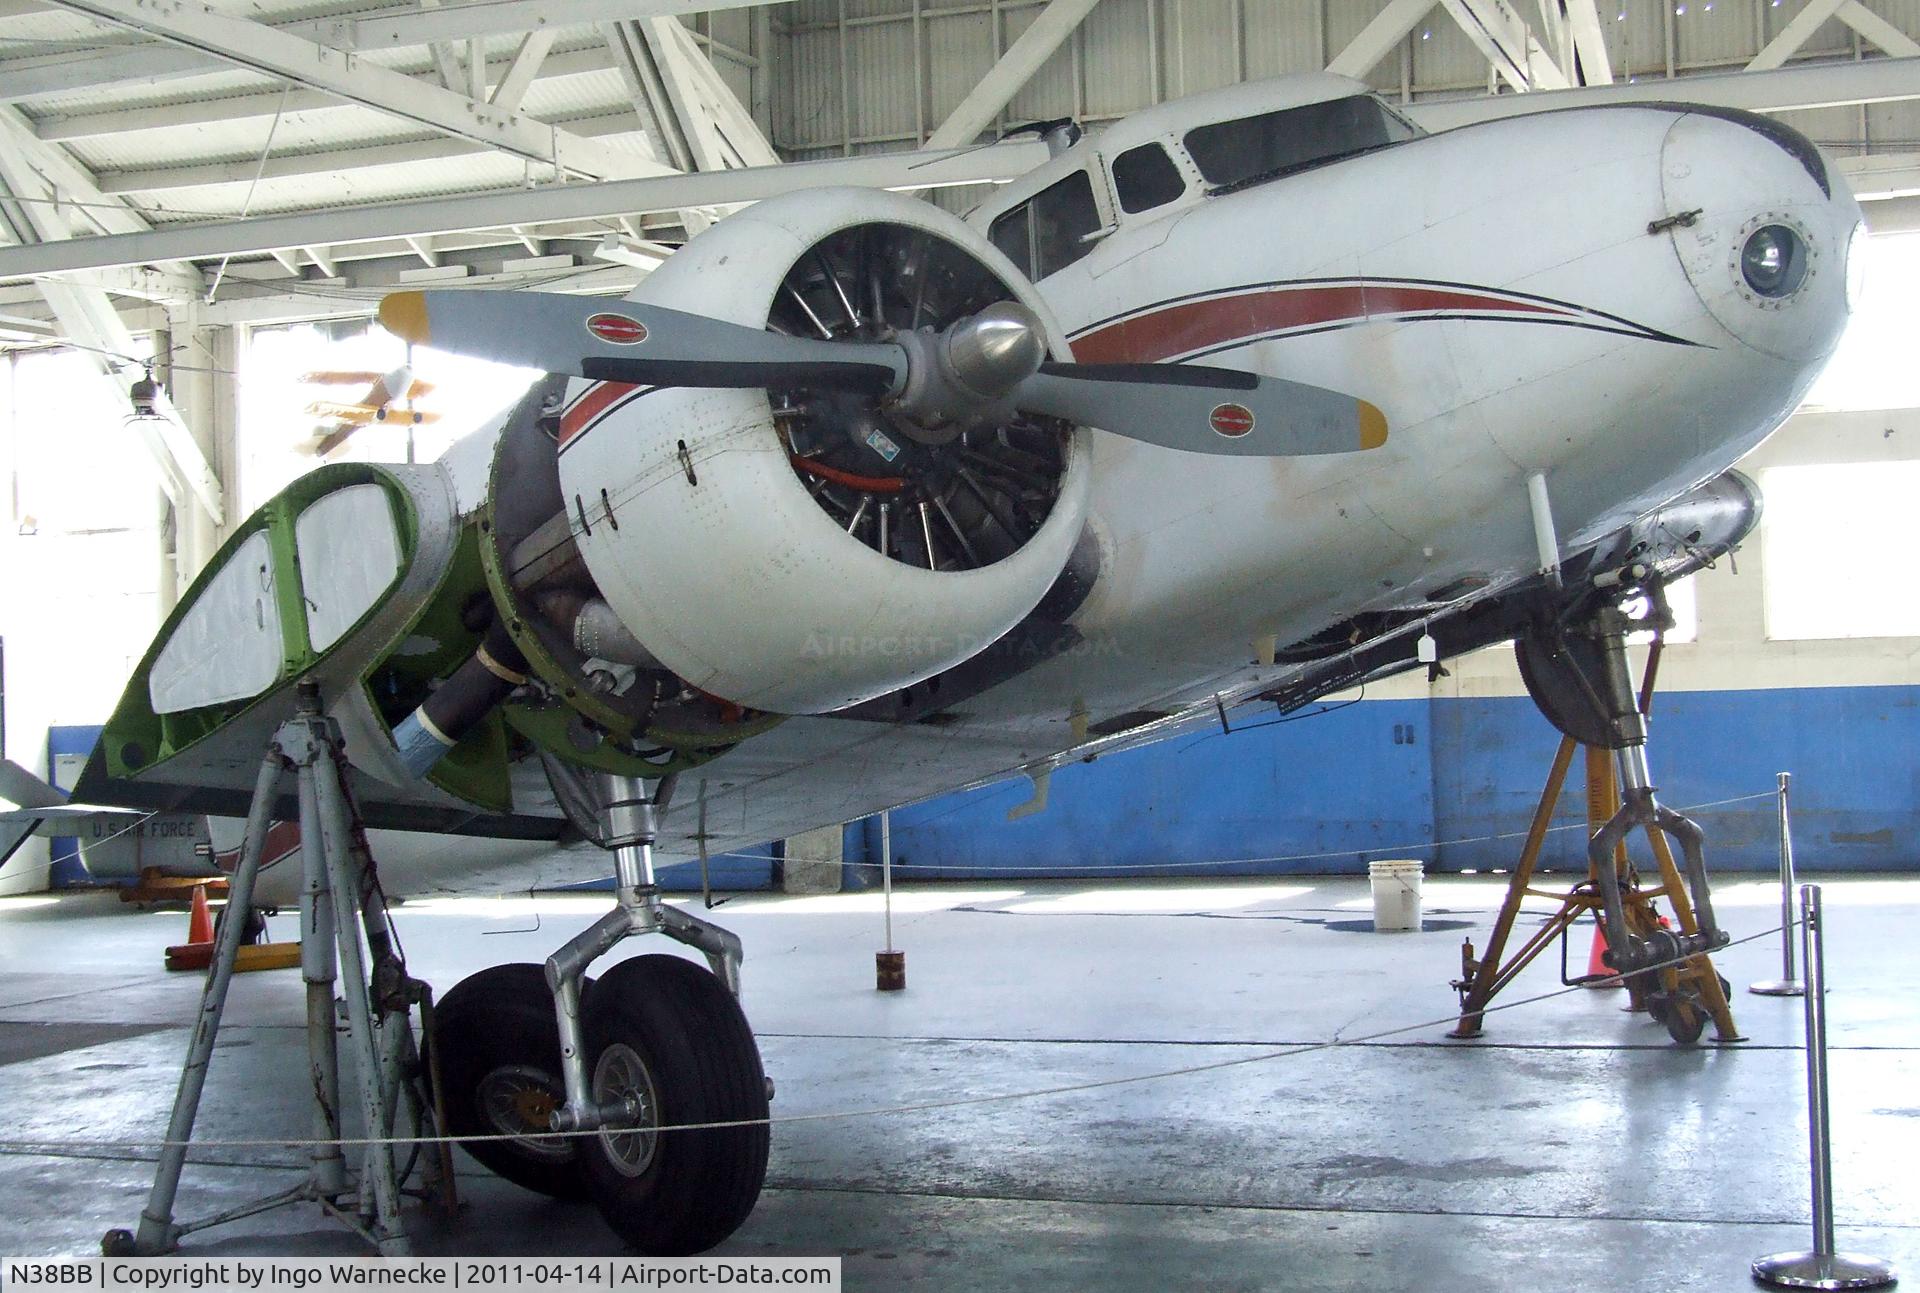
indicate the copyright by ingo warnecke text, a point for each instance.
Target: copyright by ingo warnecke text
{"x":496,"y":1274}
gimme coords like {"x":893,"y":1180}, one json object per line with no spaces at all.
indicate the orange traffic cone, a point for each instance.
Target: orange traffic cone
{"x":1596,"y":962}
{"x":200,"y":919}
{"x":197,"y":952}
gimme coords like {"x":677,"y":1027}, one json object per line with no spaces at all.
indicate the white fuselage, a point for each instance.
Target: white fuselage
{"x":1410,"y":277}
{"x":1557,"y":294}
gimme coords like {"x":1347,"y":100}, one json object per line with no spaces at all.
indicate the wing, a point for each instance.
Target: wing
{"x":21,"y":787}
{"x":353,"y":580}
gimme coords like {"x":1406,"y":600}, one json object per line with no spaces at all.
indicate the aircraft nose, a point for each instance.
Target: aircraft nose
{"x":1764,"y":228}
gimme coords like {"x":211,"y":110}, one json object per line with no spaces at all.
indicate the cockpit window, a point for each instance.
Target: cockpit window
{"x":1052,"y":230}
{"x":1145,"y":178}
{"x":1012,"y":233}
{"x":1231,"y":154}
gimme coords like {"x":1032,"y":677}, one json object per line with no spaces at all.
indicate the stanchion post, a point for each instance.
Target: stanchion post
{"x":1822,"y":1267}
{"x":1788,"y":984}
{"x":889,"y":967}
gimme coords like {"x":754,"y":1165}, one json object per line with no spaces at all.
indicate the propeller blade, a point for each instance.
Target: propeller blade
{"x":628,"y":341}
{"x":1205,"y":410}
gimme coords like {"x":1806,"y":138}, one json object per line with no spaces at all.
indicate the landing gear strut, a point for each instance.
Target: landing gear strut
{"x":1580,"y":678}
{"x":657,"y":1042}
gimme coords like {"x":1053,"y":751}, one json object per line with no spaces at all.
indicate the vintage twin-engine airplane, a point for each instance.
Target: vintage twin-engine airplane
{"x":853,"y":502}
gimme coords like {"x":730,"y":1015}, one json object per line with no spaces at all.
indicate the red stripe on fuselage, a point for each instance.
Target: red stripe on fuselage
{"x":1189,"y":326}
{"x":590,"y":406}
{"x":282,"y":842}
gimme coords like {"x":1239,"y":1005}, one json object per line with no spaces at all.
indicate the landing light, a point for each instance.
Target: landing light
{"x":1774,"y":261}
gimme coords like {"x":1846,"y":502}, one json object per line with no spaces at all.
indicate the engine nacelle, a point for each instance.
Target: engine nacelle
{"x":797,"y":551}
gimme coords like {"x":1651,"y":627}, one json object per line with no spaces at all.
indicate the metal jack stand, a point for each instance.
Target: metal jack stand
{"x":1788,"y":984}
{"x":1822,"y":1267}
{"x":1682,"y":997}
{"x":629,"y":823}
{"x":340,"y":904}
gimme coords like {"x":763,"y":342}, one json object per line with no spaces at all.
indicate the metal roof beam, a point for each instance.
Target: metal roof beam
{"x":982,"y":104}
{"x":1502,"y":35}
{"x":503,"y":210}
{"x":1878,"y":177}
{"x":1878,"y":31}
{"x":1388,"y":28}
{"x":732,"y":123}
{"x":33,"y":175}
{"x":56,"y":175}
{"x":1589,"y":42}
{"x":168,"y":179}
{"x":23,"y":78}
{"x":65,"y":72}
{"x":398,"y":27}
{"x":695,"y":123}
{"x":1795,"y":34}
{"x":1787,"y":89}
{"x":275,"y":53}
{"x":511,"y":90}
{"x":267,"y":103}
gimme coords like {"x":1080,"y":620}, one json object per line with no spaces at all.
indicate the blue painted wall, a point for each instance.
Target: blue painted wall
{"x":1434,"y":779}
{"x":67,"y":871}
{"x":726,"y":873}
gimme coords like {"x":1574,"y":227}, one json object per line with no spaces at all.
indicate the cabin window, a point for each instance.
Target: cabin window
{"x":1012,"y":233}
{"x":1145,"y":177}
{"x":1234,"y":153}
{"x":1052,"y":230}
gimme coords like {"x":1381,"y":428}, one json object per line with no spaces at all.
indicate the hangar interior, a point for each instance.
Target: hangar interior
{"x":215,"y":199}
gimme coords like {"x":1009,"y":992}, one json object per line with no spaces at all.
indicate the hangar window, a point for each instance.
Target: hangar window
{"x":1145,"y":178}
{"x":1233,"y":154}
{"x":1054,"y":229}
{"x":1816,"y":514}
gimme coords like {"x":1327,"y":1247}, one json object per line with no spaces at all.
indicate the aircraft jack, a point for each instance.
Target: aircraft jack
{"x":341,"y":900}
{"x":1581,"y":681}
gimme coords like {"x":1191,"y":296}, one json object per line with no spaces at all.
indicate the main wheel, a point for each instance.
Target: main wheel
{"x":667,"y":1037}
{"x":499,"y":1058}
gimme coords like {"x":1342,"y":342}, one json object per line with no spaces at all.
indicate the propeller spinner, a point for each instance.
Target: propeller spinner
{"x":980,"y":367}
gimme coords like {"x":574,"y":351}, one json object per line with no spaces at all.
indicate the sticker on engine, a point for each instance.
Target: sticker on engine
{"x":878,"y":442}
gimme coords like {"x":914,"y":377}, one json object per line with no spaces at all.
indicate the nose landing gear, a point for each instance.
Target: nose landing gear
{"x":657,"y":1042}
{"x":1580,"y":678}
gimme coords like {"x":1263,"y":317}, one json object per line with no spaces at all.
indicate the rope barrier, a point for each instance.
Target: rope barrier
{"x":1103,"y":868}
{"x":1066,"y":872}
{"x":29,"y":1146}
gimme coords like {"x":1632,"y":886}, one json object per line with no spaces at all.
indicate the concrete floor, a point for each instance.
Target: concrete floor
{"x":1573,"y":1147}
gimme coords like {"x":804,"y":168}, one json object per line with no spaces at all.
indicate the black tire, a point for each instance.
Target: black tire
{"x":499,"y":1057}
{"x":675,"y":1193}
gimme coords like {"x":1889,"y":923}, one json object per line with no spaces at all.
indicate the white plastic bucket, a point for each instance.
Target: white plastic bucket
{"x":1396,"y":895}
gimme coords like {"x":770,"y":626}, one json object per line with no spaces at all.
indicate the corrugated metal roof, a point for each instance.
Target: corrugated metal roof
{"x":874,"y":84}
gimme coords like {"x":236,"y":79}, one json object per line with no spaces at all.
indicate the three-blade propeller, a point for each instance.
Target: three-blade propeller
{"x":994,"y":360}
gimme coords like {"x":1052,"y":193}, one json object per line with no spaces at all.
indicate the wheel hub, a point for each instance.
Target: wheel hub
{"x":621,"y":1079}
{"x":518,"y":1100}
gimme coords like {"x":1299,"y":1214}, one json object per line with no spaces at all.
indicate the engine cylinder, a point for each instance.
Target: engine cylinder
{"x":795,"y":551}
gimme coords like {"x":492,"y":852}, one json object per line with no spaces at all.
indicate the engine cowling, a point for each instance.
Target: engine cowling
{"x":797,"y":551}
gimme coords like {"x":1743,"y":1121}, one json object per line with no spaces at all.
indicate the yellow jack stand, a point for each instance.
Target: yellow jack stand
{"x":1682,"y":997}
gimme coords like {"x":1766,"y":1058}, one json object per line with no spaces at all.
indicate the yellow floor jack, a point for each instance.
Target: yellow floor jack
{"x":1580,"y":679}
